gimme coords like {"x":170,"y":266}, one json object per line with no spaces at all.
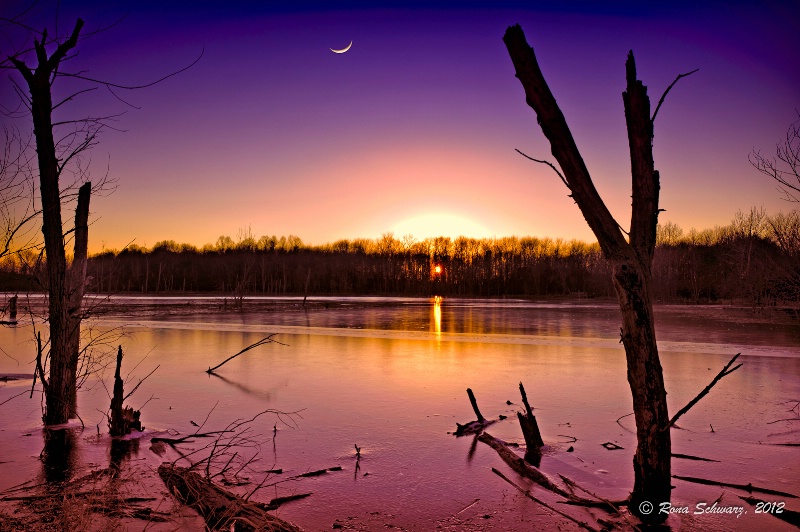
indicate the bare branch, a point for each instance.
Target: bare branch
{"x":140,"y":383}
{"x":133,"y":87}
{"x":661,"y":100}
{"x":71,"y":96}
{"x":785,"y":166}
{"x":725,"y":371}
{"x":263,"y":341}
{"x":548,"y":163}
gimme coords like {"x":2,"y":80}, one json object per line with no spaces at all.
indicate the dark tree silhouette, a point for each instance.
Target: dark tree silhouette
{"x":65,"y":291}
{"x":630,"y":258}
{"x":59,"y":147}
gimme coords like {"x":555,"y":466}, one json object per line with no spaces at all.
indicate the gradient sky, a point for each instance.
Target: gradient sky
{"x":419,"y":120}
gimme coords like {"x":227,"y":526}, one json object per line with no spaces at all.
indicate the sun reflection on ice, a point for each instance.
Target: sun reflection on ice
{"x":437,"y":316}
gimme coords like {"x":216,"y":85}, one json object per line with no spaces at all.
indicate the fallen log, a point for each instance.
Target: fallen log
{"x":790,"y":516}
{"x":275,"y":503}
{"x":692,"y":457}
{"x":528,"y":494}
{"x":749,"y":488}
{"x":523,"y":468}
{"x":220,"y":509}
{"x":6,"y":377}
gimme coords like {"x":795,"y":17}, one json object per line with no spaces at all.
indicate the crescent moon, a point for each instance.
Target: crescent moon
{"x":343,"y":50}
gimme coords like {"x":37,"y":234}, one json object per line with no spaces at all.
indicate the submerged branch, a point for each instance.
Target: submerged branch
{"x":725,"y":371}
{"x":523,"y":468}
{"x":789,"y":516}
{"x":263,"y":341}
{"x":528,"y":494}
{"x":749,"y":488}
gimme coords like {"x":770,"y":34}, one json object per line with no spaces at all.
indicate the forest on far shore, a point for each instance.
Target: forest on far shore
{"x":754,"y":260}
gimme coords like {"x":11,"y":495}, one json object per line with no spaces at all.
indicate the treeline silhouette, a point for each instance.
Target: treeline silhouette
{"x":755,"y":260}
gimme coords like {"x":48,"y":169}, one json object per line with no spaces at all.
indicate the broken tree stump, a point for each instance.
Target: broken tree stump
{"x":473,"y":427}
{"x":12,"y":312}
{"x":123,"y":419}
{"x":529,"y":426}
{"x":221,"y":509}
{"x":474,"y":404}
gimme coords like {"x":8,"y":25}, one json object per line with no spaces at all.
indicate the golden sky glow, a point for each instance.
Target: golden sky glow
{"x":272,"y":131}
{"x":440,"y":224}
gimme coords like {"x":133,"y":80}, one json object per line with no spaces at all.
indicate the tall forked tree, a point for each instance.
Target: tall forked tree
{"x":631,"y":259}
{"x":65,"y":286}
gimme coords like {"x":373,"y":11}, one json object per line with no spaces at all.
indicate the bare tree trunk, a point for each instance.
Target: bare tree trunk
{"x":61,"y":387}
{"x":77,"y":285}
{"x":631,"y":261}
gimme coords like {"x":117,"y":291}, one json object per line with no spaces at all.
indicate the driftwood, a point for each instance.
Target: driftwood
{"x":188,"y":438}
{"x":276,"y":503}
{"x":123,"y":419}
{"x":528,"y":494}
{"x":220,"y":509}
{"x":523,"y":468}
{"x":265,"y":340}
{"x":692,"y":457}
{"x":7,"y":377}
{"x":790,"y":516}
{"x":724,"y":372}
{"x":749,"y":488}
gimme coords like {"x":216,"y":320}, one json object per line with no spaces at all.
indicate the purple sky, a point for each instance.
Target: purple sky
{"x":419,"y":120}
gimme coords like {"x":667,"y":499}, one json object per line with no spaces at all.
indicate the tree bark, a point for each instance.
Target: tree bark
{"x":631,"y":261}
{"x":59,"y":405}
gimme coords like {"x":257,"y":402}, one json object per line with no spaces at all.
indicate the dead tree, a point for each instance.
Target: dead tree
{"x":65,"y":286}
{"x":63,"y":319}
{"x":630,"y":258}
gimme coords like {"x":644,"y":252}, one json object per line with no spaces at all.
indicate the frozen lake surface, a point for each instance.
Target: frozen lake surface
{"x":390,"y":374}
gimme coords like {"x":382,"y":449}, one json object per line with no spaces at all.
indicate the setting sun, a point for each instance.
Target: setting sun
{"x":440,"y":224}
